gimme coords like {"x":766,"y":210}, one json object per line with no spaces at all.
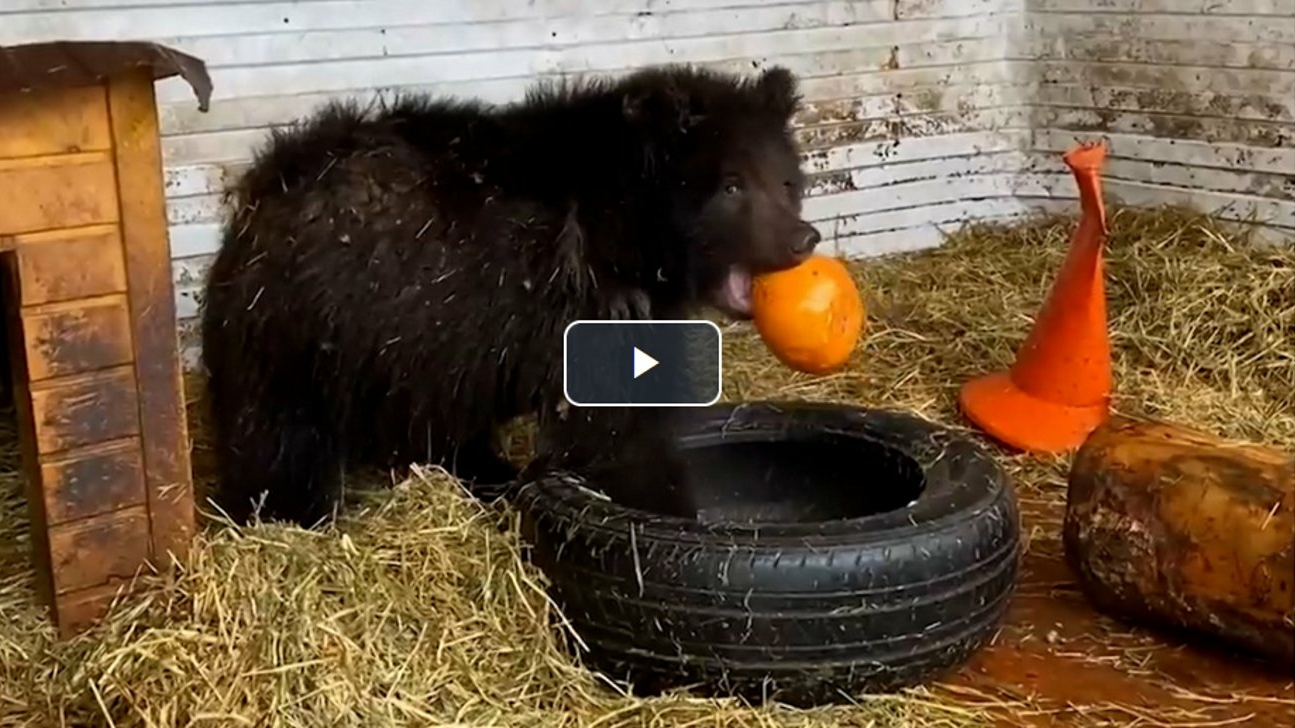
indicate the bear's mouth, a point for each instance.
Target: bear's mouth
{"x":733,"y":296}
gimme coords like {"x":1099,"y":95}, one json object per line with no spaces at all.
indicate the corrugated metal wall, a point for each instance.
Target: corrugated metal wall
{"x":921,"y":113}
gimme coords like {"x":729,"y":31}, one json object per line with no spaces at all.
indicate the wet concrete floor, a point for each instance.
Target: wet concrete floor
{"x":1057,"y":662}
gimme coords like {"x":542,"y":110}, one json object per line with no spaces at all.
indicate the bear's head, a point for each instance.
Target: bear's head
{"x":723,"y":151}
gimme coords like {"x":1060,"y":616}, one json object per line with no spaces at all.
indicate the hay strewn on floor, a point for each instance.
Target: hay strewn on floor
{"x":417,"y":609}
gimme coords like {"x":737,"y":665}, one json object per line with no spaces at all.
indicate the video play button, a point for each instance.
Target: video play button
{"x":641,"y":363}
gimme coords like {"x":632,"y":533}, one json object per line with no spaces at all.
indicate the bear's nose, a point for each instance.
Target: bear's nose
{"x":808,"y":241}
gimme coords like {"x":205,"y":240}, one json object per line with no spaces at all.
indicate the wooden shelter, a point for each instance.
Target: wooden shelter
{"x":90,"y":315}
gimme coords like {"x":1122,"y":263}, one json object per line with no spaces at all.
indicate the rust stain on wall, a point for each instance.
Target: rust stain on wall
{"x":1173,"y":126}
{"x":830,"y":183}
{"x":1178,"y":101}
{"x":892,"y":61}
{"x":828,"y":112}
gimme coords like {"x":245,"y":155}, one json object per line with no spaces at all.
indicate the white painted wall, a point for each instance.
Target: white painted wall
{"x":921,"y":113}
{"x":1195,"y":97}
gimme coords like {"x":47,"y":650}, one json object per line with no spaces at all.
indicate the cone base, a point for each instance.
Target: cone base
{"x":1007,"y":414}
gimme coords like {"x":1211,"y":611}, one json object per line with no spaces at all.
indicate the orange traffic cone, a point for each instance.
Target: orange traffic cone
{"x":1059,"y":389}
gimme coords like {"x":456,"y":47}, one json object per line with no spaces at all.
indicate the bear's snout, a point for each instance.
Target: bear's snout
{"x":805,"y":240}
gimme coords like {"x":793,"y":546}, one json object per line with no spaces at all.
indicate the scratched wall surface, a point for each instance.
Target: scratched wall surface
{"x":1195,"y":97}
{"x":920,"y":113}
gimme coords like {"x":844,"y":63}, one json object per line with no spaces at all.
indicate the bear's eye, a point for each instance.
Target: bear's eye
{"x":731,"y":186}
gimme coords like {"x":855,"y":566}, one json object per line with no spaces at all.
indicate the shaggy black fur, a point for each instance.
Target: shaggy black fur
{"x":395,"y":281}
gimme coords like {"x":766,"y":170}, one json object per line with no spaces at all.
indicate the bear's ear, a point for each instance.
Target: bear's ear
{"x":778,"y":92}
{"x":666,"y":108}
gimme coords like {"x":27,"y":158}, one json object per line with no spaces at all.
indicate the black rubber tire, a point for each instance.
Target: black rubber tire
{"x":802,"y":613}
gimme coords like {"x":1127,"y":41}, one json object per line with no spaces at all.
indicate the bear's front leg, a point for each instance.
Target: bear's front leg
{"x":626,"y":453}
{"x":486,"y":473}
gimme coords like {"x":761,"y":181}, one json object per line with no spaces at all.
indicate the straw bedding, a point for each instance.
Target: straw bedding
{"x":417,"y":609}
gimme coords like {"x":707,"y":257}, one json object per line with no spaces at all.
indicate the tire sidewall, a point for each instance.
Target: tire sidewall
{"x":960,"y":479}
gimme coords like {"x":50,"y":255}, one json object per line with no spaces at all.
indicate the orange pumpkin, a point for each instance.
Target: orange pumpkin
{"x":810,"y":316}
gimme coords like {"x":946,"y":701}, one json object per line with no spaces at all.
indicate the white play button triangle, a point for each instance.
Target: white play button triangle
{"x":642,"y":362}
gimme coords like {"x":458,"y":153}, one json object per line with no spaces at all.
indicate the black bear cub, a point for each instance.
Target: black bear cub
{"x":394,"y":281}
